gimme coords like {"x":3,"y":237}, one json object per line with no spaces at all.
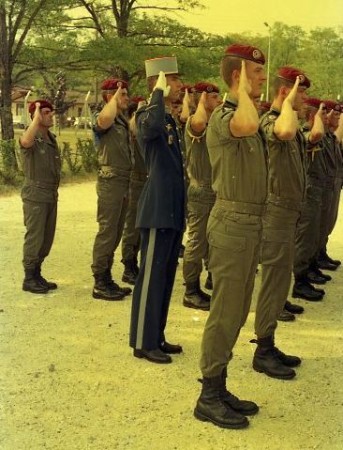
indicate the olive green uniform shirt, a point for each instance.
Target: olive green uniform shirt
{"x":41,"y":165}
{"x":239,"y":165}
{"x":287,"y":170}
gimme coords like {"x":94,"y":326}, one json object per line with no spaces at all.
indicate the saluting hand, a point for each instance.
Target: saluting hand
{"x":37,"y":114}
{"x":244,"y":82}
{"x":321,"y":111}
{"x":161,"y":84}
{"x":293,"y":92}
{"x":203,"y":99}
{"x":117,"y":94}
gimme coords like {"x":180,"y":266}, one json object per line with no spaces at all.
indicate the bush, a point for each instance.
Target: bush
{"x":9,"y":163}
{"x":71,"y":158}
{"x":86,"y":148}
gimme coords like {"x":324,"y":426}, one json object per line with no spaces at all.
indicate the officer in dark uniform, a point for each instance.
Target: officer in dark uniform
{"x":160,"y":214}
{"x":131,"y":236}
{"x":238,"y":156}
{"x":200,"y":195}
{"x":41,"y":164}
{"x":115,"y":157}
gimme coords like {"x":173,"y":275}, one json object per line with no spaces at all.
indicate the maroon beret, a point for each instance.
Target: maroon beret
{"x":290,"y":74}
{"x":43,"y":104}
{"x":111,"y":84}
{"x":330,"y":104}
{"x":203,"y":86}
{"x":246,"y":52}
{"x":314,"y":102}
{"x":265,"y":106}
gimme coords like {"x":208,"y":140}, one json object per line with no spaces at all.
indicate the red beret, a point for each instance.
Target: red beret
{"x":291,"y":73}
{"x":246,"y":52}
{"x":314,"y":102}
{"x":111,"y":84}
{"x":330,"y":104}
{"x":203,"y":86}
{"x":265,"y":106}
{"x":136,"y":99}
{"x":43,"y":104}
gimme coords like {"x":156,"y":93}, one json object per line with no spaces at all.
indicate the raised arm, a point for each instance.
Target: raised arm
{"x":28,"y":137}
{"x":286,"y":124}
{"x":245,"y":120}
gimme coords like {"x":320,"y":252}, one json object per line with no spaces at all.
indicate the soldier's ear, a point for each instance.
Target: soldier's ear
{"x":236,"y":73}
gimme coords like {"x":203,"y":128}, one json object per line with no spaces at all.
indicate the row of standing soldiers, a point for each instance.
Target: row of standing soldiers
{"x":260,"y":190}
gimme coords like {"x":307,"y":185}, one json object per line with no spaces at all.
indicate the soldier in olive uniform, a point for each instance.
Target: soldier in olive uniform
{"x":333,"y":155}
{"x":305,"y":267}
{"x":41,"y":165}
{"x":115,"y":157}
{"x":286,"y":194}
{"x":131,"y":236}
{"x":238,"y":156}
{"x":200,"y":196}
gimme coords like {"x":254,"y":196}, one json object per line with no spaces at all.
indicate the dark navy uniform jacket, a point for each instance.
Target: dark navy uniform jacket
{"x":161,"y":204}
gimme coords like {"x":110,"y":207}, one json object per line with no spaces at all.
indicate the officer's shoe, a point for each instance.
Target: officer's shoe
{"x":129,"y":274}
{"x":31,"y":284}
{"x":287,"y":360}
{"x":171,"y":349}
{"x":156,"y":356}
{"x":312,"y":277}
{"x":211,"y":406}
{"x":293,"y":308}
{"x":266,"y":361}
{"x":102,"y":291}
{"x":305,"y":290}
{"x":285,"y":316}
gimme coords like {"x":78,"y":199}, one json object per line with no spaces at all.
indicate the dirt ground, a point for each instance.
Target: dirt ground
{"x":69,"y":380}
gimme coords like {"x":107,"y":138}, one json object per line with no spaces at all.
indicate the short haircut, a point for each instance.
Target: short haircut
{"x":279,"y":83}
{"x":228,"y":65}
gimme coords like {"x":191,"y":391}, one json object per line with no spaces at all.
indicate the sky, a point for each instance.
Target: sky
{"x":236,"y":16}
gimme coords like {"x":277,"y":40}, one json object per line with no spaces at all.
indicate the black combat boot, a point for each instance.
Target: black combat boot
{"x":302,"y":288}
{"x":211,"y":406}
{"x":208,"y":282}
{"x":32,"y":284}
{"x":195,"y":298}
{"x":49,"y":284}
{"x":245,"y":407}
{"x":103,"y":291}
{"x":293,"y":308}
{"x":324,"y":257}
{"x":130,"y":274}
{"x":266,"y":360}
{"x":114,"y":286}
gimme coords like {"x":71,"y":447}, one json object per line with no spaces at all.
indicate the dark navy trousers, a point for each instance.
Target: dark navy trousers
{"x":153,"y":287}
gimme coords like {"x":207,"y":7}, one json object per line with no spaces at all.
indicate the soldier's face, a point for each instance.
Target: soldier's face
{"x":123,"y":101}
{"x":333,"y":119}
{"x":175,"y":87}
{"x":47,"y":117}
{"x":256,"y":76}
{"x":300,"y":98}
